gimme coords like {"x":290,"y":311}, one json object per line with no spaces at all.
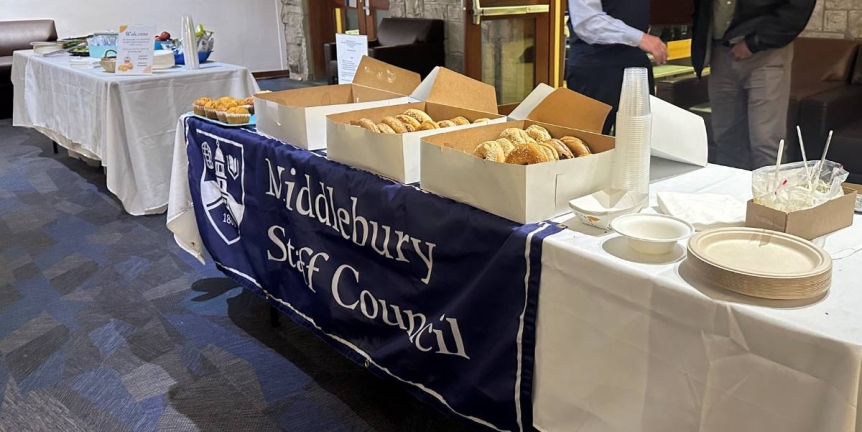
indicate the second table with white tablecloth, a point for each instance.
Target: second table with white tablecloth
{"x":126,"y":122}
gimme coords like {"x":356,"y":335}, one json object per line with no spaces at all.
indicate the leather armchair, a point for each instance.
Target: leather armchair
{"x":412,"y":44}
{"x":14,"y":36}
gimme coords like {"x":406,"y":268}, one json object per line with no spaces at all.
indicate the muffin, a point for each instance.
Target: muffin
{"x":237,"y":115}
{"x":199,"y":107}
{"x":225,"y":99}
{"x":221,"y":110}
{"x":248,"y":103}
{"x":210,"y":109}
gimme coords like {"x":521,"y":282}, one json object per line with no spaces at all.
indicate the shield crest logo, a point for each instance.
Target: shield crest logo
{"x":223,"y":187}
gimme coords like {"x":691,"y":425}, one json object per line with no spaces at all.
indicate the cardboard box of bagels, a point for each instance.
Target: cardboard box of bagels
{"x":524,"y":193}
{"x":443,"y":96}
{"x":298,"y":116}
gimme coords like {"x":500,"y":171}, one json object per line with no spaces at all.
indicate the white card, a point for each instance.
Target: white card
{"x":135,"y":47}
{"x":349,"y":50}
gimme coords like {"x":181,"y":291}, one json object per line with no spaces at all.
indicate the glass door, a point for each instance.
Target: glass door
{"x":359,"y":16}
{"x":513,"y":45}
{"x":375,"y":11}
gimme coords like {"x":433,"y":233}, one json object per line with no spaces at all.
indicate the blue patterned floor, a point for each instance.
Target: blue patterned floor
{"x":106,"y":325}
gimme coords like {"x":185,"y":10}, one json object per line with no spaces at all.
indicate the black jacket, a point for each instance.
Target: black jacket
{"x":765,"y":24}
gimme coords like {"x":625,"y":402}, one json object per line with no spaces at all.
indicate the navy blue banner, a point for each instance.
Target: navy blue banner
{"x":434,"y":293}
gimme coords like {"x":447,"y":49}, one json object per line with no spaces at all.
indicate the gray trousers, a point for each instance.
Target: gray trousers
{"x":749,"y":100}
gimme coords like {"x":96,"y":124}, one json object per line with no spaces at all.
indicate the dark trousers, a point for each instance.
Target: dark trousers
{"x":749,"y":100}
{"x":603,"y":83}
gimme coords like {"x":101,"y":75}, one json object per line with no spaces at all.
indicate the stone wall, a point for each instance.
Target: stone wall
{"x":447,"y":10}
{"x":294,"y":15}
{"x":837,"y":19}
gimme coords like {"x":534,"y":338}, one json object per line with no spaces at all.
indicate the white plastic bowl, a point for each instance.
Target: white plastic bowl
{"x":652,"y":234}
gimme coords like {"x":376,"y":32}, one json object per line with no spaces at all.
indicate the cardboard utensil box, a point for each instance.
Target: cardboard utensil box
{"x":809,"y":224}
{"x":443,"y":95}
{"x":523,"y":193}
{"x":298,"y":116}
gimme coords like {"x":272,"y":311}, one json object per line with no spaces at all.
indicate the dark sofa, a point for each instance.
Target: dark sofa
{"x":14,"y":36}
{"x":414,"y":44}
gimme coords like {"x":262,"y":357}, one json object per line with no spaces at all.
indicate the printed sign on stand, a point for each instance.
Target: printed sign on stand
{"x":135,"y":50}
{"x":349,"y":49}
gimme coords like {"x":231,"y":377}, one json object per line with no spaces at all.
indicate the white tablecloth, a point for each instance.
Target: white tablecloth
{"x":637,"y":346}
{"x":126,"y":122}
{"x":628,"y":346}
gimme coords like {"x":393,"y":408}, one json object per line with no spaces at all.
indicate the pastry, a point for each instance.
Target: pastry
{"x":490,"y":150}
{"x":368,"y":124}
{"x":481,"y":120}
{"x":506,"y":145}
{"x":419,"y":115}
{"x":445,"y":123}
{"x":384,"y":128}
{"x":460,"y":121}
{"x":578,"y":147}
{"x":526,"y":154}
{"x":221,"y":110}
{"x":428,"y":125}
{"x":409,"y":122}
{"x":225,"y":99}
{"x":238,"y":115}
{"x":210,"y":110}
{"x":538,"y":133}
{"x":561,"y":148}
{"x":199,"y":106}
{"x":550,"y":151}
{"x":249,"y":100}
{"x":517,"y":136}
{"x":396,"y":125}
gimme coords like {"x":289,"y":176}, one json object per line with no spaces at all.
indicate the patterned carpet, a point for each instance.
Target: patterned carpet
{"x":106,"y":325}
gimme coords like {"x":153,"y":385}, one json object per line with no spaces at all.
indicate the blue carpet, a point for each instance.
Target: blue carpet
{"x":106,"y":325}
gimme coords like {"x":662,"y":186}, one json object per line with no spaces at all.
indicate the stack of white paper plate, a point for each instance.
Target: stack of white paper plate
{"x":761,"y":263}
{"x":163,"y":59}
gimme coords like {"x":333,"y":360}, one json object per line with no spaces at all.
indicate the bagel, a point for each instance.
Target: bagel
{"x":538,"y":133}
{"x":561,"y":148}
{"x":409,"y":122}
{"x":506,"y":145}
{"x":395,"y":124}
{"x":419,"y":115}
{"x":526,"y":154}
{"x":460,"y":121}
{"x":445,"y":123}
{"x":490,"y":150}
{"x":517,"y":136}
{"x":577,"y":146}
{"x":428,"y":125}
{"x":384,"y":128}
{"x":481,"y":120}
{"x":549,"y":150}
{"x":368,"y":124}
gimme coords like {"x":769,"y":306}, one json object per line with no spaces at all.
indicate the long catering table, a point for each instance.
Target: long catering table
{"x":533,"y":326}
{"x":126,"y":122}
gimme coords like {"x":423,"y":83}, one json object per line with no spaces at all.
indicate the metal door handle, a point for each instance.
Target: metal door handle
{"x":479,"y":11}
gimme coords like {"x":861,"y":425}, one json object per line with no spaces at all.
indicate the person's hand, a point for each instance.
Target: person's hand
{"x":654,"y":46}
{"x":741,"y":51}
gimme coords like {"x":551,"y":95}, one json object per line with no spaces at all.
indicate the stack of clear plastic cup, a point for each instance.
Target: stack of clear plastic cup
{"x":190,"y":43}
{"x":633,"y":134}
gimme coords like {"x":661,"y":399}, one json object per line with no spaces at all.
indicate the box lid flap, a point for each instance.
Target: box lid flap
{"x":383,"y":76}
{"x":562,"y":107}
{"x":445,"y":87}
